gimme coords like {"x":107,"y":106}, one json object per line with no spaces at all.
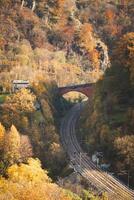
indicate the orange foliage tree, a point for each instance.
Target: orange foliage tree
{"x":88,"y":42}
{"x":110,"y":15}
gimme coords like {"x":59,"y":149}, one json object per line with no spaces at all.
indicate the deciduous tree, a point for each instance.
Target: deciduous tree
{"x":125,"y":53}
{"x":2,"y":135}
{"x":12,"y":146}
{"x":22,"y":101}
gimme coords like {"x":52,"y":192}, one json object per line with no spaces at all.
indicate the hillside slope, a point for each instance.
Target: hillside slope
{"x":58,"y":43}
{"x":107,"y":121}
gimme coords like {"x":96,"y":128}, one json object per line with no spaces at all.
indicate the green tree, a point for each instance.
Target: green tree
{"x":125,"y":52}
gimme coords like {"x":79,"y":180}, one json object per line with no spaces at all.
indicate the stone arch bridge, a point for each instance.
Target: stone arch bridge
{"x":86,"y":89}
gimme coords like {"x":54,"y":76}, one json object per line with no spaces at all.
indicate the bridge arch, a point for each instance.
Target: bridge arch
{"x":74,"y":96}
{"x":86,"y":89}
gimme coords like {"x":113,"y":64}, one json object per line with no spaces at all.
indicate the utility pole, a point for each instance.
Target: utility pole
{"x":80,"y":159}
{"x":128,"y":171}
{"x":128,"y":178}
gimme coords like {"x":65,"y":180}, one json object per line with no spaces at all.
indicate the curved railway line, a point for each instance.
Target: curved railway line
{"x":98,"y":179}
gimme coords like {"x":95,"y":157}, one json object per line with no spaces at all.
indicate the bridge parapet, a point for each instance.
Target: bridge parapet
{"x":86,"y":89}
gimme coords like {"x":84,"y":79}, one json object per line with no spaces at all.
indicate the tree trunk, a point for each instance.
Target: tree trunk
{"x":22,"y":4}
{"x":34,"y":5}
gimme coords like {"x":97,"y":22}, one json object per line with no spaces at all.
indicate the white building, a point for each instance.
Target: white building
{"x":19,"y":84}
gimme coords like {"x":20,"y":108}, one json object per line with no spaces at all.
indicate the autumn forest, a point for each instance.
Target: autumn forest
{"x":47,"y":44}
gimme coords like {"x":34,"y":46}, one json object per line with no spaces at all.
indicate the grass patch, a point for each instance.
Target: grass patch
{"x":3,"y":97}
{"x":118,"y":119}
{"x":38,"y":116}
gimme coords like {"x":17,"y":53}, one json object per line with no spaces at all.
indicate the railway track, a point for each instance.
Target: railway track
{"x":98,"y":179}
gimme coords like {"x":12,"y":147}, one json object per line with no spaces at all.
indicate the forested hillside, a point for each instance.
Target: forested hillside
{"x":50,"y":41}
{"x":108,"y":121}
{"x":53,"y":43}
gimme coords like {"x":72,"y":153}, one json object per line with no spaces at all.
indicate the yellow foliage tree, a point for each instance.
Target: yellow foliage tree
{"x":12,"y":146}
{"x":22,"y":101}
{"x":2,"y":134}
{"x":88,"y":42}
{"x":30,"y":172}
{"x":30,"y":181}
